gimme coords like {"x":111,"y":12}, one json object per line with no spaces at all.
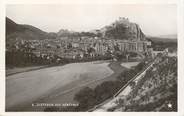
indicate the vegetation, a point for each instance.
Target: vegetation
{"x":21,"y":58}
{"x":117,"y":32}
{"x":106,"y":90}
{"x":88,"y":97}
{"x":155,"y":90}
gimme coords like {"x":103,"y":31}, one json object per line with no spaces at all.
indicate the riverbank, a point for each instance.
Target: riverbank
{"x":16,"y":70}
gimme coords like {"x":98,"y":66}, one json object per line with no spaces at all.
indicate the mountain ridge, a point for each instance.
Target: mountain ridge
{"x":24,"y":31}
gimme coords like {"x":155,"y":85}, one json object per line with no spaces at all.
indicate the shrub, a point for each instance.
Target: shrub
{"x":106,"y":90}
{"x":86,"y":98}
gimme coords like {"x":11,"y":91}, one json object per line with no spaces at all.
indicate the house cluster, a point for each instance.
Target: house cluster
{"x":78,"y":47}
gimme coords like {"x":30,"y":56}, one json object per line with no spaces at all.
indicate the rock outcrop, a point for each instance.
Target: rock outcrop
{"x":124,"y":30}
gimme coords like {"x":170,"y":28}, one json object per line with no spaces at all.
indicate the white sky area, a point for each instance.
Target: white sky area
{"x":154,"y":20}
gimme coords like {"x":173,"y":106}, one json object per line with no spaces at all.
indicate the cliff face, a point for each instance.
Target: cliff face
{"x":136,"y":32}
{"x":123,"y":29}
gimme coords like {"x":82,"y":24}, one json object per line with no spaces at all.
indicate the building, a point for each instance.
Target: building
{"x":100,"y":48}
{"x":132,"y":46}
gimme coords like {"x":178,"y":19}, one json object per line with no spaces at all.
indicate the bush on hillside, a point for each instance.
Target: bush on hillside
{"x":86,"y":98}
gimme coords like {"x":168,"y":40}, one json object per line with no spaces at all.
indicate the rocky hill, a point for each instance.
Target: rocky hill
{"x":20,"y":31}
{"x":123,"y":29}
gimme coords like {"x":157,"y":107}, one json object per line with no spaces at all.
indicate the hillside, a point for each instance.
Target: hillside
{"x":161,"y":39}
{"x":153,"y":90}
{"x":20,"y":31}
{"x":170,"y":36}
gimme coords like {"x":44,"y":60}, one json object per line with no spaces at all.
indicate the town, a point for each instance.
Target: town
{"x":83,"y":47}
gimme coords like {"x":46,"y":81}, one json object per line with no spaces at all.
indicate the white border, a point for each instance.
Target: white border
{"x":180,"y":27}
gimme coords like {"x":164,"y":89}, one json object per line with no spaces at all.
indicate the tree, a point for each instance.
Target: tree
{"x":140,"y":66}
{"x":106,"y":90}
{"x":86,"y":98}
{"x":117,"y":32}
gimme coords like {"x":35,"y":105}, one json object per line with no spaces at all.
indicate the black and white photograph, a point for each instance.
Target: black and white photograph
{"x":91,"y":58}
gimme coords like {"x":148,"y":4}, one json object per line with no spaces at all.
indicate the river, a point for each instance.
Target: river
{"x":56,"y":84}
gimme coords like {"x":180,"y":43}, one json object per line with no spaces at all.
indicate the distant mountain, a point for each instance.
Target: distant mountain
{"x":20,"y":31}
{"x":161,"y":39}
{"x":162,"y":43}
{"x":171,"y":36}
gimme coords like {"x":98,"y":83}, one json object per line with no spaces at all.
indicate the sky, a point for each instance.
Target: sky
{"x":154,"y":19}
